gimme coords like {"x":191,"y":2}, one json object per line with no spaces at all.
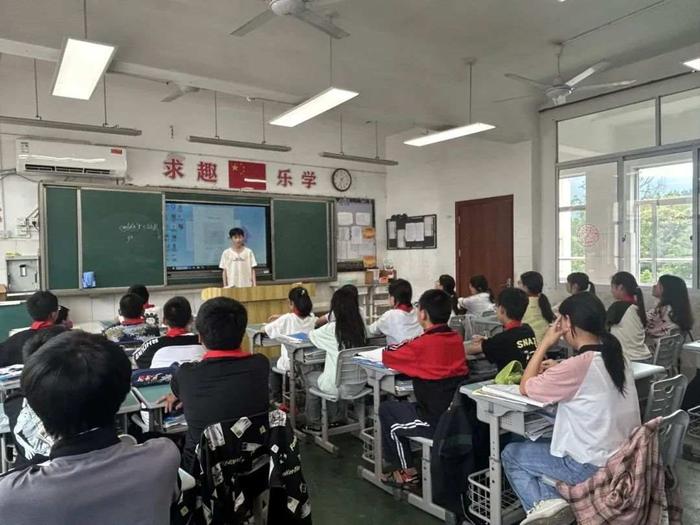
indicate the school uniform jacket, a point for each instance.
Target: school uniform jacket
{"x":163,"y":351}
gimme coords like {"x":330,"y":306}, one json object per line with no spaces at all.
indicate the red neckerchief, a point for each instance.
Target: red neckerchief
{"x":512,"y":324}
{"x":148,"y":305}
{"x":296,"y":312}
{"x":404,"y":308}
{"x":216,"y":354}
{"x":128,"y":322}
{"x":38,"y":325}
{"x":174,"y":332}
{"x":629,"y":299}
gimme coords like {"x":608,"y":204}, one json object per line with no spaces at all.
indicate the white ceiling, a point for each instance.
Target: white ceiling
{"x":405,"y":57}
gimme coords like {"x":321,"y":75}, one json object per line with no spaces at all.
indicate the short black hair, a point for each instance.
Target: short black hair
{"x":236,"y":231}
{"x":131,"y":306}
{"x":141,"y":291}
{"x":221,"y":323}
{"x":41,"y":305}
{"x":401,"y":291}
{"x":514,"y":301}
{"x":40,"y":337}
{"x":75,"y":382}
{"x":437,"y":304}
{"x":177,"y":312}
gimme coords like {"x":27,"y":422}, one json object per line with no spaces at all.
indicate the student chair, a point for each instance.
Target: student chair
{"x":666,"y":353}
{"x":671,"y":435}
{"x":351,"y":382}
{"x":486,"y":326}
{"x":457,"y":323}
{"x":285,"y":384}
{"x":665,"y":397}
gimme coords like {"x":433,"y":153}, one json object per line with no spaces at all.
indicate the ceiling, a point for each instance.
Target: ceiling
{"x":405,"y":57}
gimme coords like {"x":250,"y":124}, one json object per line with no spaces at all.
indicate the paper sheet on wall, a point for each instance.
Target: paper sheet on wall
{"x":401,"y":239}
{"x":411,"y":232}
{"x":392,"y":230}
{"x":429,"y":226}
{"x":356,"y":235}
{"x":363,"y":219}
{"x":343,"y":250}
{"x":344,"y":234}
{"x":353,"y":251}
{"x":367,"y":248}
{"x":420,"y":231}
{"x":345,"y":218}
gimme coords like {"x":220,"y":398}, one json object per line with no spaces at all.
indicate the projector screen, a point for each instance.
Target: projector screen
{"x":196,"y":234}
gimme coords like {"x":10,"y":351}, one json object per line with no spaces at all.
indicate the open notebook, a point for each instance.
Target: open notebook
{"x":509,"y":393}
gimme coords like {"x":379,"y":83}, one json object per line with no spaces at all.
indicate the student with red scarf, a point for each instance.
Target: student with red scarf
{"x":401,"y":322}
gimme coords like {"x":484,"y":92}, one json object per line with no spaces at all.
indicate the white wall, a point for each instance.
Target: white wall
{"x":432,"y":178}
{"x":136,"y":103}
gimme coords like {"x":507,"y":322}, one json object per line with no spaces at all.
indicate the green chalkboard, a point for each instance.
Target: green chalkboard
{"x":13,"y":315}
{"x":61,"y":227}
{"x":302,"y":237}
{"x":122,"y":237}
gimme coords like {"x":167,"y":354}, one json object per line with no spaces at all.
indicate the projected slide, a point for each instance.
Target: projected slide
{"x":196,"y":234}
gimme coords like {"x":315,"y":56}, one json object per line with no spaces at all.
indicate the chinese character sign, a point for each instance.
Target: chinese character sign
{"x":246,"y":175}
{"x":173,"y":166}
{"x":308,"y":179}
{"x":284,"y":178}
{"x":206,"y":171}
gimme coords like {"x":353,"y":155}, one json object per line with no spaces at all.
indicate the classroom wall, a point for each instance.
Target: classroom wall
{"x":136,"y":103}
{"x":431,"y":179}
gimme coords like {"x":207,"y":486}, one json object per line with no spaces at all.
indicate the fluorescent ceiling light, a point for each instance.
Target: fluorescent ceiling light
{"x":237,"y":143}
{"x":72,"y":126}
{"x":355,"y":158}
{"x":693,"y":64}
{"x":80,"y":68}
{"x":313,"y":107}
{"x":432,"y":138}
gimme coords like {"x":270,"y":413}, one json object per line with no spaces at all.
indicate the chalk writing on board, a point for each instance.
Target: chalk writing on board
{"x":131,"y":227}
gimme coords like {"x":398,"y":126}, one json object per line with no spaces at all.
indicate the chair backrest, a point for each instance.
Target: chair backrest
{"x":489,"y":313}
{"x":665,"y":397}
{"x":671,"y":435}
{"x":348,"y":373}
{"x":486,"y":326}
{"x":667,"y":351}
{"x":456,"y":322}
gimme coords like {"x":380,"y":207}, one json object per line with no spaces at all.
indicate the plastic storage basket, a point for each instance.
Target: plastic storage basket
{"x":480,"y":499}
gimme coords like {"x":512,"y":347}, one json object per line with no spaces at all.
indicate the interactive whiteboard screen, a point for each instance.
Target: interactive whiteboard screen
{"x":196,"y":234}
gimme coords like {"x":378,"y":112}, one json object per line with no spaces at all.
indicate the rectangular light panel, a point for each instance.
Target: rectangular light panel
{"x":449,"y":134}
{"x":694,"y":64}
{"x":81,"y":67}
{"x":313,"y":107}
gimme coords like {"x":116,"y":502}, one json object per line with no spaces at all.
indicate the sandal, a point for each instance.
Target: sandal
{"x":400,"y":479}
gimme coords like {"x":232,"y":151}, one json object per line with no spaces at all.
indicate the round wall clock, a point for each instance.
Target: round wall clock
{"x":342,"y":180}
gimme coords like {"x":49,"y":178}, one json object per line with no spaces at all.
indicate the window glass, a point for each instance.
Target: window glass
{"x":680,"y":117}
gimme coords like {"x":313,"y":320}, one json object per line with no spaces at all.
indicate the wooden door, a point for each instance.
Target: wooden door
{"x":484,"y":242}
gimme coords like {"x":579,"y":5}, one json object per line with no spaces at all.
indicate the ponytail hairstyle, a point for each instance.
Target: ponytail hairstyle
{"x":675,"y":295}
{"x":448,"y":286}
{"x":533,"y":283}
{"x":349,"y":326}
{"x":581,"y":281}
{"x":299,"y":297}
{"x":586,"y":312}
{"x":631,"y":288}
{"x":481,"y":285}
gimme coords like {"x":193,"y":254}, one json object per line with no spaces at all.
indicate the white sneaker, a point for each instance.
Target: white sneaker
{"x":550,"y":512}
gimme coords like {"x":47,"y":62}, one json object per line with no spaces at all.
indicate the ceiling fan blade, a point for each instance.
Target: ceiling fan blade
{"x":178,"y":91}
{"x":521,"y":97}
{"x":254,"y":23}
{"x":321,"y":23}
{"x":583,"y":75}
{"x":591,"y":87}
{"x":324,"y":3}
{"x":525,"y":80}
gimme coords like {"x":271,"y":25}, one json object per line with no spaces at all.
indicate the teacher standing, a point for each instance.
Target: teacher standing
{"x":238,"y":262}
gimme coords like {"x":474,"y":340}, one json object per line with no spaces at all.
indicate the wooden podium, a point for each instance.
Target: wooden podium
{"x":261,"y":302}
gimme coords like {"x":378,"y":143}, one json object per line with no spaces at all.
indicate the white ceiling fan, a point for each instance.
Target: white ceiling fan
{"x":558,"y":90}
{"x":177,"y":91}
{"x":299,"y":9}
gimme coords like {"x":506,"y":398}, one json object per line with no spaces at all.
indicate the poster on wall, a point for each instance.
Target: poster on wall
{"x":411,"y":233}
{"x":355,"y":235}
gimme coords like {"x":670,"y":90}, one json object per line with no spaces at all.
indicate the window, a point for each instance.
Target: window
{"x":680,"y":117}
{"x":620,"y":129}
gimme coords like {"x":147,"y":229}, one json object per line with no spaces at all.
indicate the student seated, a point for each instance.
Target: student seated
{"x":399,"y":323}
{"x":539,"y":314}
{"x":178,"y":345}
{"x":32,"y":442}
{"x":626,"y":317}
{"x":481,"y":299}
{"x":151,"y":314}
{"x":299,"y":319}
{"x":436,"y":362}
{"x":578,"y":282}
{"x":517,"y":341}
{"x":43,"y":308}
{"x":228,"y":383}
{"x":327,"y":318}
{"x":447,"y":284}
{"x":346,"y":330}
{"x":132,"y":327}
{"x":76,"y":383}
{"x":596,"y":412}
{"x":672,"y":312}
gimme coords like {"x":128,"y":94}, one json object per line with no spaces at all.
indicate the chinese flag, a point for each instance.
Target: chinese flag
{"x":246,"y":175}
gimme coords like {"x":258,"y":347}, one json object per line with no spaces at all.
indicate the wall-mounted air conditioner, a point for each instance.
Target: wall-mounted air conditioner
{"x":63,"y":159}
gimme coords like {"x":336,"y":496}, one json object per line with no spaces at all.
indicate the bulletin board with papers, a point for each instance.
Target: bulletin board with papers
{"x":411,"y":233}
{"x":356,"y":244}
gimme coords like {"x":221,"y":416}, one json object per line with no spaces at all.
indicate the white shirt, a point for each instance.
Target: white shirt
{"x":168,"y":355}
{"x":288,"y":324}
{"x":239,"y":267}
{"x":476,"y":304}
{"x":397,"y":325}
{"x":630,"y":332}
{"x":324,"y":339}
